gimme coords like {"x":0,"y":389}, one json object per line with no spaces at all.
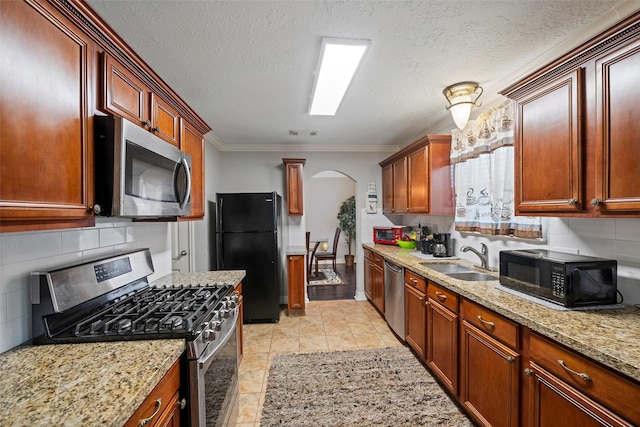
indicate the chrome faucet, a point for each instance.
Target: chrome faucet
{"x":484,"y":255}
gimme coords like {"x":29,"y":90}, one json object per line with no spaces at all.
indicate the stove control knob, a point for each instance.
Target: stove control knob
{"x":215,"y":325}
{"x":210,"y":334}
{"x":230,"y":304}
{"x":223,"y":314}
{"x":235,"y":297}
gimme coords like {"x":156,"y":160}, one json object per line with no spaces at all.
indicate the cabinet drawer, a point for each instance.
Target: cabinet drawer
{"x":595,"y":381}
{"x":416,"y":281}
{"x":444,"y":296}
{"x":159,"y":399}
{"x":378,"y":260}
{"x":368,"y":255}
{"x":490,"y":322}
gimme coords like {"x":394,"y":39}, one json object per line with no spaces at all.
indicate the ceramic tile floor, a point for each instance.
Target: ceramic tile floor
{"x":327,"y":326}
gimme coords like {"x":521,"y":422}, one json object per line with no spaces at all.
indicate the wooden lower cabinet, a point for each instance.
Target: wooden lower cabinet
{"x":489,"y":377}
{"x":295,"y":276}
{"x":442,"y":335}
{"x":374,"y":279}
{"x":377,"y":282}
{"x":239,"y":323}
{"x":552,"y":402}
{"x":415,"y":312}
{"x":368,"y":261}
{"x":163,"y":405}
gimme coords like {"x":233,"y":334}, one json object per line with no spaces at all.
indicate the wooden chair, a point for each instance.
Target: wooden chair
{"x":325,"y":256}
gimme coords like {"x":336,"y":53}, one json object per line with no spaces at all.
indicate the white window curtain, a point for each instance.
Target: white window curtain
{"x":483,"y":157}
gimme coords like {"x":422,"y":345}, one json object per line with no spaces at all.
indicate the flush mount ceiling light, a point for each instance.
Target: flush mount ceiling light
{"x":462,"y":96}
{"x":339,"y":60}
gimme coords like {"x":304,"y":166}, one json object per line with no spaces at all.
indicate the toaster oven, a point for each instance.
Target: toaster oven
{"x":389,"y":235}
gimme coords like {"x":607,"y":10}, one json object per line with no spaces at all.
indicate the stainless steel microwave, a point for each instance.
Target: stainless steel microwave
{"x":137,"y":174}
{"x":565,"y":279}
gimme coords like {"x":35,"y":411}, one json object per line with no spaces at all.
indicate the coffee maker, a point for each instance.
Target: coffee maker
{"x":442,"y":245}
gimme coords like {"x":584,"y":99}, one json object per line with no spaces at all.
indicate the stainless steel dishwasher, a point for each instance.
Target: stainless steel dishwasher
{"x":394,"y":297}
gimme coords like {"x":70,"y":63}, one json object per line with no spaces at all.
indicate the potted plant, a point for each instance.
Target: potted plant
{"x":347,"y":222}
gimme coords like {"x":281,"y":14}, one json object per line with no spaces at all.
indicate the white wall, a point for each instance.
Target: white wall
{"x":23,"y":253}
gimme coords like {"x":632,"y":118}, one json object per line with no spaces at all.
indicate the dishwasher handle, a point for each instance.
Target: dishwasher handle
{"x":393,"y":267}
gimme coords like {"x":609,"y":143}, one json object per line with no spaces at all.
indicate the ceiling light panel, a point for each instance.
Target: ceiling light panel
{"x":339,"y":60}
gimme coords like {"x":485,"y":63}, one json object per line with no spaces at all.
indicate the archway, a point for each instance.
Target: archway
{"x":324,"y":194}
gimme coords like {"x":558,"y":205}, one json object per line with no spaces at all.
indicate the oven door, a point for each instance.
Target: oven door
{"x":213,"y":380}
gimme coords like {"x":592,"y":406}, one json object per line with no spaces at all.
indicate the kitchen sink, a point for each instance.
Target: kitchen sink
{"x":446,"y":268}
{"x":471,"y":276}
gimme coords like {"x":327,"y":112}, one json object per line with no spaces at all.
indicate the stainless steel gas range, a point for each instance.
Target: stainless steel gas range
{"x":110,"y":299}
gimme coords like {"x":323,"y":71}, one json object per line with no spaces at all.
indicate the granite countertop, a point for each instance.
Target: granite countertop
{"x":231,"y":277}
{"x":296,"y":250}
{"x":610,"y":336}
{"x":92,"y":384}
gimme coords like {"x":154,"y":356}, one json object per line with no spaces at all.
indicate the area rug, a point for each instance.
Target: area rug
{"x":327,"y":277}
{"x":376,"y":387}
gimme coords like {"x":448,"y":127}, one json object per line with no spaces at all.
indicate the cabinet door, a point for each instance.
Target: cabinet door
{"x":489,"y":378}
{"x":368,"y":277}
{"x":295,"y":183}
{"x":192,"y":143}
{"x":548,"y":151}
{"x":414,"y":312}
{"x":618,"y":127}
{"x":387,"y":188}
{"x":46,"y":161}
{"x":295,"y":271}
{"x":377,"y":285}
{"x":165,"y":121}
{"x":418,"y":181}
{"x":123,"y":94}
{"x":400,"y":196}
{"x":238,"y":291}
{"x":442,"y":344}
{"x":171,"y":416}
{"x":554,"y":403}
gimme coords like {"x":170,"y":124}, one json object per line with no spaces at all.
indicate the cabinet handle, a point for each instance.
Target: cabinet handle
{"x":595,"y":202}
{"x":147,"y":123}
{"x":528,"y":372}
{"x":573,"y":202}
{"x":571,"y":371}
{"x":442,"y":297}
{"x":490,"y":324}
{"x":413,"y":281}
{"x":183,"y":403}
{"x":146,"y":421}
{"x":154,"y":130}
{"x":421,"y":299}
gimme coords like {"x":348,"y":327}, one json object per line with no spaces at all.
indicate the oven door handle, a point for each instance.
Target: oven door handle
{"x":212,"y":349}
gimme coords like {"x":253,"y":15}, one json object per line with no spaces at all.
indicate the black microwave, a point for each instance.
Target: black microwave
{"x":565,"y":279}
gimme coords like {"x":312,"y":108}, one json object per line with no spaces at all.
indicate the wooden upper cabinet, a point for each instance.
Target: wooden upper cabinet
{"x":550,"y":146}
{"x":618,"y":127}
{"x":46,"y":160}
{"x":577,"y":125}
{"x":124,"y":94}
{"x":192,"y":143}
{"x":294,"y":183}
{"x":417,"y":179}
{"x":165,"y":121}
{"x":387,"y":188}
{"x":400,"y":194}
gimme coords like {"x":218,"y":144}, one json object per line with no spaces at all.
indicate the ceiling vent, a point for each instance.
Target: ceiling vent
{"x":302,"y":132}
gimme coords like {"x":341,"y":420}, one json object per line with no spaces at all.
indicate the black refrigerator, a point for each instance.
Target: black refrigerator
{"x":248,"y":237}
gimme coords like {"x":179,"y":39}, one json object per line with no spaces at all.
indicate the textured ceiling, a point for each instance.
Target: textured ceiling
{"x":246,"y":67}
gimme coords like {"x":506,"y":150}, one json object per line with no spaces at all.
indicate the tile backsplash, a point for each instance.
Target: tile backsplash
{"x":23,"y":253}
